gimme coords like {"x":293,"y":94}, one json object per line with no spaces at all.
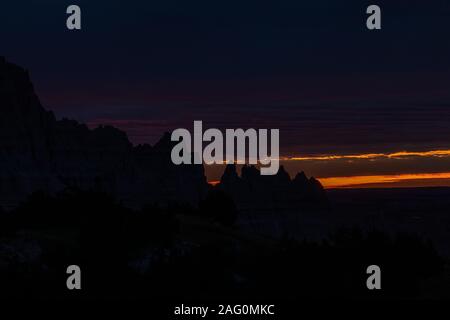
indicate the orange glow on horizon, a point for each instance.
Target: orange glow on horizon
{"x":385,"y":180}
{"x":377,"y":179}
{"x":393,"y":155}
{"x":400,"y":154}
{"x":371,"y":181}
{"x":214,"y":182}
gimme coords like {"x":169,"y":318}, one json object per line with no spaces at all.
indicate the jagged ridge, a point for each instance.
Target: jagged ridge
{"x":254,"y":192}
{"x":38,"y":152}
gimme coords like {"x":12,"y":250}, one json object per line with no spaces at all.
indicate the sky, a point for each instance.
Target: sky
{"x":337,"y":91}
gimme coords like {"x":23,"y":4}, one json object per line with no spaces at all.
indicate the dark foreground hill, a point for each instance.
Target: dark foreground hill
{"x":165,"y":254}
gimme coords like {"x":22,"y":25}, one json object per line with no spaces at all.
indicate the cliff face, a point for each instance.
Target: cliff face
{"x":253,"y":192}
{"x":37,"y":152}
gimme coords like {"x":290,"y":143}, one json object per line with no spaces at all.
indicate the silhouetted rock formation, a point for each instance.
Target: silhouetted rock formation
{"x":254,"y":192}
{"x":37,"y":152}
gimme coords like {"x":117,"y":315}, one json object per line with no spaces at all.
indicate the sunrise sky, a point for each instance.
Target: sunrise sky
{"x":375,"y":170}
{"x":355,"y":108}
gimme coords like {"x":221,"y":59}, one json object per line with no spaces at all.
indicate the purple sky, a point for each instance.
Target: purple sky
{"x":309,"y":68}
